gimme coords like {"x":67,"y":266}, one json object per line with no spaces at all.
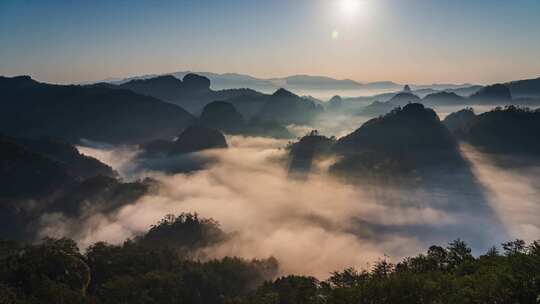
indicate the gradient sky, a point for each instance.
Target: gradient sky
{"x":413,"y":41}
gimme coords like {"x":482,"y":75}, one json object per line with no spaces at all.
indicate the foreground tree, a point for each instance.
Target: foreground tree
{"x":154,"y":268}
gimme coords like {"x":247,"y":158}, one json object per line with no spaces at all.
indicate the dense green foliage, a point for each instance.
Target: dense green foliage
{"x":149,"y":269}
{"x":442,"y":275}
{"x":157,"y":268}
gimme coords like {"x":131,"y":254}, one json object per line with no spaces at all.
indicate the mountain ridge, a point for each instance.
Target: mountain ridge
{"x":73,"y":112}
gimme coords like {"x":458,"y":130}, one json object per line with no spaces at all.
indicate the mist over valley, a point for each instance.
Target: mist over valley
{"x":269,"y":152}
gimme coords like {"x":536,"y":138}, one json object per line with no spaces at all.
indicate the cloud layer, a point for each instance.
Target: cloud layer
{"x":318,"y":225}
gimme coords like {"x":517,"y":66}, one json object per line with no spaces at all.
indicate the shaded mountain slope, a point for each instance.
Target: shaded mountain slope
{"x":77,"y":164}
{"x":401,"y":142}
{"x":377,"y":108}
{"x":335,"y":103}
{"x":192,"y":93}
{"x":39,"y":183}
{"x":460,"y":122}
{"x":287,"y":108}
{"x":33,"y":109}
{"x":193,"y":139}
{"x":198,"y":138}
{"x":404,"y":98}
{"x":25,"y":174}
{"x":223,"y":116}
{"x":509,"y":130}
{"x":303,"y":153}
{"x":493,"y":94}
{"x":443,"y":99}
{"x":525,"y":88}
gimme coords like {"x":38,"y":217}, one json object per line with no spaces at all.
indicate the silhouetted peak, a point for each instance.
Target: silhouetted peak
{"x":335,"y":102}
{"x":198,"y":138}
{"x":403,"y":95}
{"x":443,"y":98}
{"x":508,"y":130}
{"x":303,"y":152}
{"x":407,"y":89}
{"x":412,"y":115}
{"x":166,"y":78}
{"x":125,"y":114}
{"x":413,"y":107}
{"x":310,"y":142}
{"x":282,"y":93}
{"x":496,"y":91}
{"x":404,"y":98}
{"x":335,"y":99}
{"x":443,"y":94}
{"x":17,"y":81}
{"x":22,"y":78}
{"x":221,"y":115}
{"x":525,"y":88}
{"x":159,"y":80}
{"x":418,"y":111}
{"x":459,"y":122}
{"x":400,"y":142}
{"x":222,"y":105}
{"x":196,"y":82}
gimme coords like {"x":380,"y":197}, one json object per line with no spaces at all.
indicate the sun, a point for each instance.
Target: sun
{"x":351,"y":8}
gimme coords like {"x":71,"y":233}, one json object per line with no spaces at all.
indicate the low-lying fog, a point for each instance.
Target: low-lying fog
{"x":319,"y":225}
{"x":325,"y":94}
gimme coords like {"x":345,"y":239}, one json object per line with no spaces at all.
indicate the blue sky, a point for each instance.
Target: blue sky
{"x":416,"y":41}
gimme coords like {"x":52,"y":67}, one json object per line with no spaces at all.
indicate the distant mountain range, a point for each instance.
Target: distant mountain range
{"x":193,"y":92}
{"x":294,"y":82}
{"x":143,"y":110}
{"x":497,"y":94}
{"x":140,"y":110}
{"x":527,"y":88}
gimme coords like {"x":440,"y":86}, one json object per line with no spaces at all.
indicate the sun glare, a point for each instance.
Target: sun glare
{"x":352,"y":8}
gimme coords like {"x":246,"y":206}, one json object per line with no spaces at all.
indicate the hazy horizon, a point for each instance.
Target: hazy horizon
{"x":278,"y":151}
{"x":280,"y":76}
{"x":419,"y":41}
